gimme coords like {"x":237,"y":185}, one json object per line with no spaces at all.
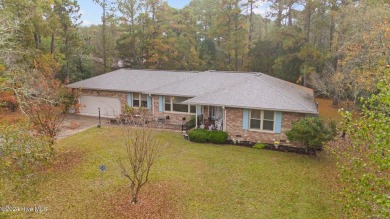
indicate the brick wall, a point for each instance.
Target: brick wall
{"x":174,"y":118}
{"x":234,"y":117}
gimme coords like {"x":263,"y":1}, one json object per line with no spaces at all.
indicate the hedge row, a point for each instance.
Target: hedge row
{"x":203,"y":136}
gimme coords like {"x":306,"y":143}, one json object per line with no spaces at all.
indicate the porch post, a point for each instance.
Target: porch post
{"x":224,"y":119}
{"x":208,"y":112}
{"x":151,"y":97}
{"x":196,"y":116}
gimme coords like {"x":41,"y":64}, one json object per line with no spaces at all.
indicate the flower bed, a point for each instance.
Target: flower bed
{"x":283,"y":148}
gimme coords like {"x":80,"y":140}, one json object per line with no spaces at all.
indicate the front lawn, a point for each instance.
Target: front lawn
{"x":189,"y":180}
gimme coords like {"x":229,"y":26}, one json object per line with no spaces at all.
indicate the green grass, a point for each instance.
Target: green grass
{"x":189,"y":180}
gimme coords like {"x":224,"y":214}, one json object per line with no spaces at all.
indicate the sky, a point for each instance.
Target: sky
{"x":91,"y":12}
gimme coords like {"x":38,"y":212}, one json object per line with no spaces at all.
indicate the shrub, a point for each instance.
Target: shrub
{"x":129,"y":110}
{"x":312,"y":131}
{"x":192,"y":122}
{"x":203,"y":135}
{"x":217,"y":137}
{"x":198,"y":135}
{"x":22,"y":155}
{"x":259,"y":146}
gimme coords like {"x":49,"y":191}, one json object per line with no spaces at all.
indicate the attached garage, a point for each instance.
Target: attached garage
{"x":109,"y":106}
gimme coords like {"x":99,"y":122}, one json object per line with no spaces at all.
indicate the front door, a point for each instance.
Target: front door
{"x":216,"y":112}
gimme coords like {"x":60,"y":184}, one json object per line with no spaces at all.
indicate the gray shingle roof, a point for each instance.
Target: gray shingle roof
{"x":131,"y":80}
{"x":200,"y":83}
{"x":261,"y":92}
{"x":242,"y":90}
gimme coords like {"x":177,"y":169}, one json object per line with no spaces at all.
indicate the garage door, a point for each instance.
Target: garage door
{"x":109,"y":106}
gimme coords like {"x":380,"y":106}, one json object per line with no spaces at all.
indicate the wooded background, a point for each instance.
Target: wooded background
{"x":335,"y":46}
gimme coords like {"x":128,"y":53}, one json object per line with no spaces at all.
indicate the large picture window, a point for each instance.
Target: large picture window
{"x":140,"y":100}
{"x":174,"y":104}
{"x":262,"y":120}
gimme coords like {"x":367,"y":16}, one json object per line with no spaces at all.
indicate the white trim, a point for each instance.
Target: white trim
{"x":152,"y":104}
{"x":196,"y":116}
{"x":224,"y":122}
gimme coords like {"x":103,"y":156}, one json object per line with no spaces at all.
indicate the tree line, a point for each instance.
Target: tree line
{"x":330,"y":45}
{"x":317,"y":43}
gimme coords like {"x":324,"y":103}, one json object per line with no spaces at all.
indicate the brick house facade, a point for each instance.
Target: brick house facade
{"x":171,"y":117}
{"x":251,"y":106}
{"x":233,"y":118}
{"x":234,"y":126}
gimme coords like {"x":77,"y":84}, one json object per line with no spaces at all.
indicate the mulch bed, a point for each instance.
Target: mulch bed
{"x":283,"y":148}
{"x":165,"y":125}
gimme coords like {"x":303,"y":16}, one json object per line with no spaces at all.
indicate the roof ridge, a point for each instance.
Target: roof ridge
{"x":225,"y":87}
{"x":284,"y":81}
{"x":91,"y":78}
{"x":282,"y":93}
{"x":157,"y":70}
{"x":155,"y":88}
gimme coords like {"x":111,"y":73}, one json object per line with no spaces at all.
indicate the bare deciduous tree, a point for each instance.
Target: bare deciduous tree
{"x":331,"y":83}
{"x":140,"y":145}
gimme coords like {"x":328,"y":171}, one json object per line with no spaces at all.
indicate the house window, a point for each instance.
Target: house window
{"x":262,"y":120}
{"x":268,"y":120}
{"x":140,"y":100}
{"x":167,"y":103}
{"x":255,"y":122}
{"x":177,"y":105}
{"x":192,"y":109}
{"x":174,"y":104}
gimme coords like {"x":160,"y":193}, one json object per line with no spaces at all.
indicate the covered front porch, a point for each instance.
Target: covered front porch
{"x":211,"y":117}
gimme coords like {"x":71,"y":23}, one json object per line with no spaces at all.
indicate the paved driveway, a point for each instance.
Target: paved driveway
{"x":74,"y":124}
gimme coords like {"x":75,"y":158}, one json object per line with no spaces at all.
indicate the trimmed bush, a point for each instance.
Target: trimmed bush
{"x":312,"y":131}
{"x":203,"y":136}
{"x":217,"y":137}
{"x":259,"y":146}
{"x":198,"y":135}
